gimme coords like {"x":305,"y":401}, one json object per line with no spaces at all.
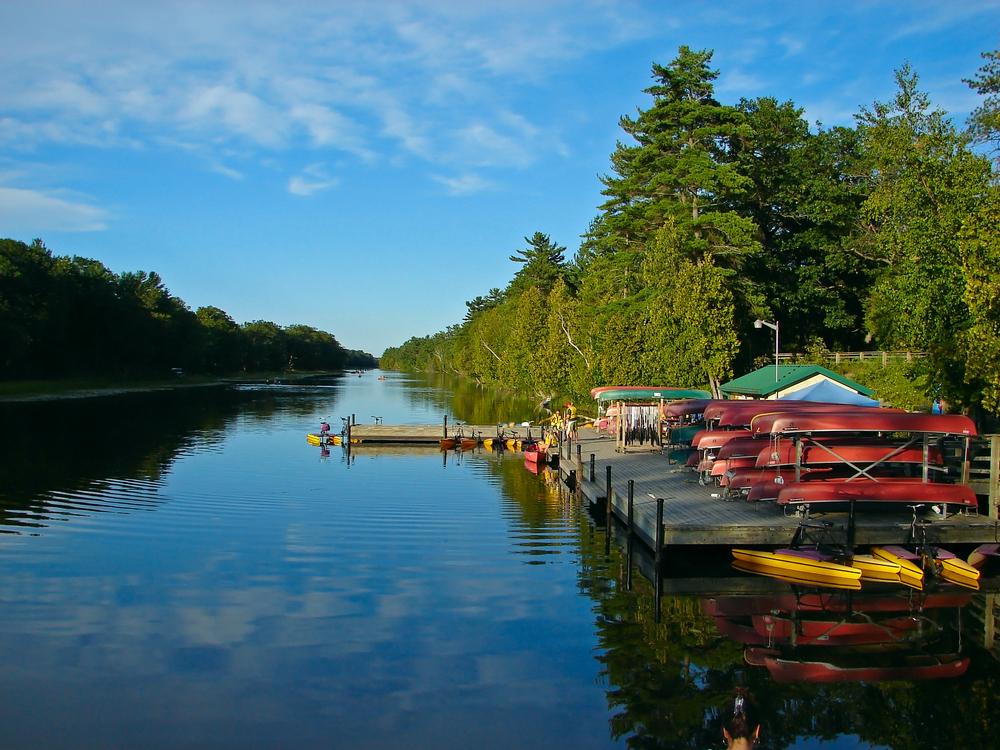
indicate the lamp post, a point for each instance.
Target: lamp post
{"x":774,"y":327}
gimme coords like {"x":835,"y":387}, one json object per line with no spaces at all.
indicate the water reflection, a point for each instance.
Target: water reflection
{"x":886,"y":666}
{"x":203,"y":576}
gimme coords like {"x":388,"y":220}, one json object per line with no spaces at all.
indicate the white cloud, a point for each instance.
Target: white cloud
{"x":223,"y":170}
{"x":312,"y":179}
{"x":372,"y":80}
{"x":464,"y":185}
{"x":33,"y":211}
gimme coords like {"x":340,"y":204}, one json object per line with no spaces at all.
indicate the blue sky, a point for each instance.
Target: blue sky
{"x":366,"y":168}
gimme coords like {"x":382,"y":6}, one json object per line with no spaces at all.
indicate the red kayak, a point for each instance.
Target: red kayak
{"x":907,"y":490}
{"x":536,"y":454}
{"x":874,"y":420}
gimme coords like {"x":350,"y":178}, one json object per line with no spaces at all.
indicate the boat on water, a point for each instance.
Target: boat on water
{"x":323,"y":439}
{"x":537,"y":453}
{"x":802,"y":565}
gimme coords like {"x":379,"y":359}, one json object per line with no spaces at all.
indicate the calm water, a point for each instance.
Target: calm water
{"x":183,"y":570}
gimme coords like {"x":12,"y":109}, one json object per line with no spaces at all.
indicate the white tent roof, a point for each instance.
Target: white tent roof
{"x":828,"y":392}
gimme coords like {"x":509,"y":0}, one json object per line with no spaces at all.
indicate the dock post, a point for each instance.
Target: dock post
{"x":607,"y":488}
{"x":559,"y":439}
{"x":348,"y":439}
{"x":994,"y":475}
{"x":354,"y":419}
{"x":659,"y":530}
{"x":592,"y":459}
{"x":631,"y":496}
{"x":927,"y":450}
{"x":572,"y":479}
{"x":446,"y":425}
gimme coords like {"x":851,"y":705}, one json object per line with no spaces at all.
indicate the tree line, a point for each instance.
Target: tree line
{"x":885,"y":235}
{"x":63,"y":316}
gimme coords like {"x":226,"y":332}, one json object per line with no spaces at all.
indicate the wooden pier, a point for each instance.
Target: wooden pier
{"x":697,"y":514}
{"x":407,"y":433}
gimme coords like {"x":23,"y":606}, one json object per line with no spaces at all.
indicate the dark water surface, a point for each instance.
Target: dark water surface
{"x":182,"y":570}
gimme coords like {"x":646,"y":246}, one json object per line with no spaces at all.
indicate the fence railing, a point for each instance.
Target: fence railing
{"x":838,"y":357}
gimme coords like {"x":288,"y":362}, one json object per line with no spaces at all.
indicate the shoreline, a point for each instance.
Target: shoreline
{"x":59,"y":390}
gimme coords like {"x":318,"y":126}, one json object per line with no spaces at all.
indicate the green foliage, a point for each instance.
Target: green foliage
{"x":980,"y":342}
{"x":984,"y":122}
{"x":901,"y":385}
{"x":62,"y":316}
{"x":805,"y":202}
{"x":716,"y":215}
{"x":924,"y":184}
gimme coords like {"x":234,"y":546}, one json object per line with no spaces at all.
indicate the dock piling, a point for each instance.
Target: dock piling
{"x":659,"y":530}
{"x":593,"y":459}
{"x":607,"y":489}
{"x":631,"y":497}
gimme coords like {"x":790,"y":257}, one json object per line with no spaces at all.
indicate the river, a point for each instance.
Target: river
{"x":182,"y":570}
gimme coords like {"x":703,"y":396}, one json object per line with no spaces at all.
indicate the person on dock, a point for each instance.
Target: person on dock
{"x":571,"y":421}
{"x":741,"y":729}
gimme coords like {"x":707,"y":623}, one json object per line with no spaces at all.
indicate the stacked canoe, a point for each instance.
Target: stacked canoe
{"x":803,"y":453}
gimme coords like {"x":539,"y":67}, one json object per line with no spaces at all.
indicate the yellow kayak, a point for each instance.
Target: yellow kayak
{"x":958,"y":579}
{"x":909,"y":572}
{"x":875,"y":568}
{"x":794,"y":576}
{"x":955,"y":566}
{"x":802,"y":565}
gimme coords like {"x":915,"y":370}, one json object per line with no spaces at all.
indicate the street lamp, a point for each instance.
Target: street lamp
{"x":774,"y":327}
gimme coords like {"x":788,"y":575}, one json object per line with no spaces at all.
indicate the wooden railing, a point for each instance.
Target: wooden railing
{"x":839,"y":357}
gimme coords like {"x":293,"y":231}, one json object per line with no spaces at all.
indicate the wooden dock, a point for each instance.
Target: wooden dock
{"x":408,"y":433}
{"x":697,"y":514}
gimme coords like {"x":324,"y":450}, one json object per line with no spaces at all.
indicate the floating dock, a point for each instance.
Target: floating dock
{"x":405,"y":433}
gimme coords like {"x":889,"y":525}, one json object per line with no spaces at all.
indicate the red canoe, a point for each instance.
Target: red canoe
{"x":739,"y":413}
{"x":742,"y":448}
{"x":731,"y":464}
{"x":784,"y":454}
{"x":687,"y":407}
{"x":874,"y":420}
{"x":887,"y":490}
{"x":916,"y":667}
{"x":717,"y":438}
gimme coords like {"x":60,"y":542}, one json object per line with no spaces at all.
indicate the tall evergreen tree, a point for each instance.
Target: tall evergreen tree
{"x":544,"y":262}
{"x":679,"y":167}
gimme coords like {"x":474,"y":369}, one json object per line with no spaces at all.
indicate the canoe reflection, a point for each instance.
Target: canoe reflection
{"x":843,"y":636}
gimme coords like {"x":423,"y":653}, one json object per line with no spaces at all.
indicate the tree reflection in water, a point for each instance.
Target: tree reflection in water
{"x":669,"y":679}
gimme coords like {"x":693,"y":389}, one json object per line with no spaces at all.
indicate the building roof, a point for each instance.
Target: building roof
{"x":761,"y":383}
